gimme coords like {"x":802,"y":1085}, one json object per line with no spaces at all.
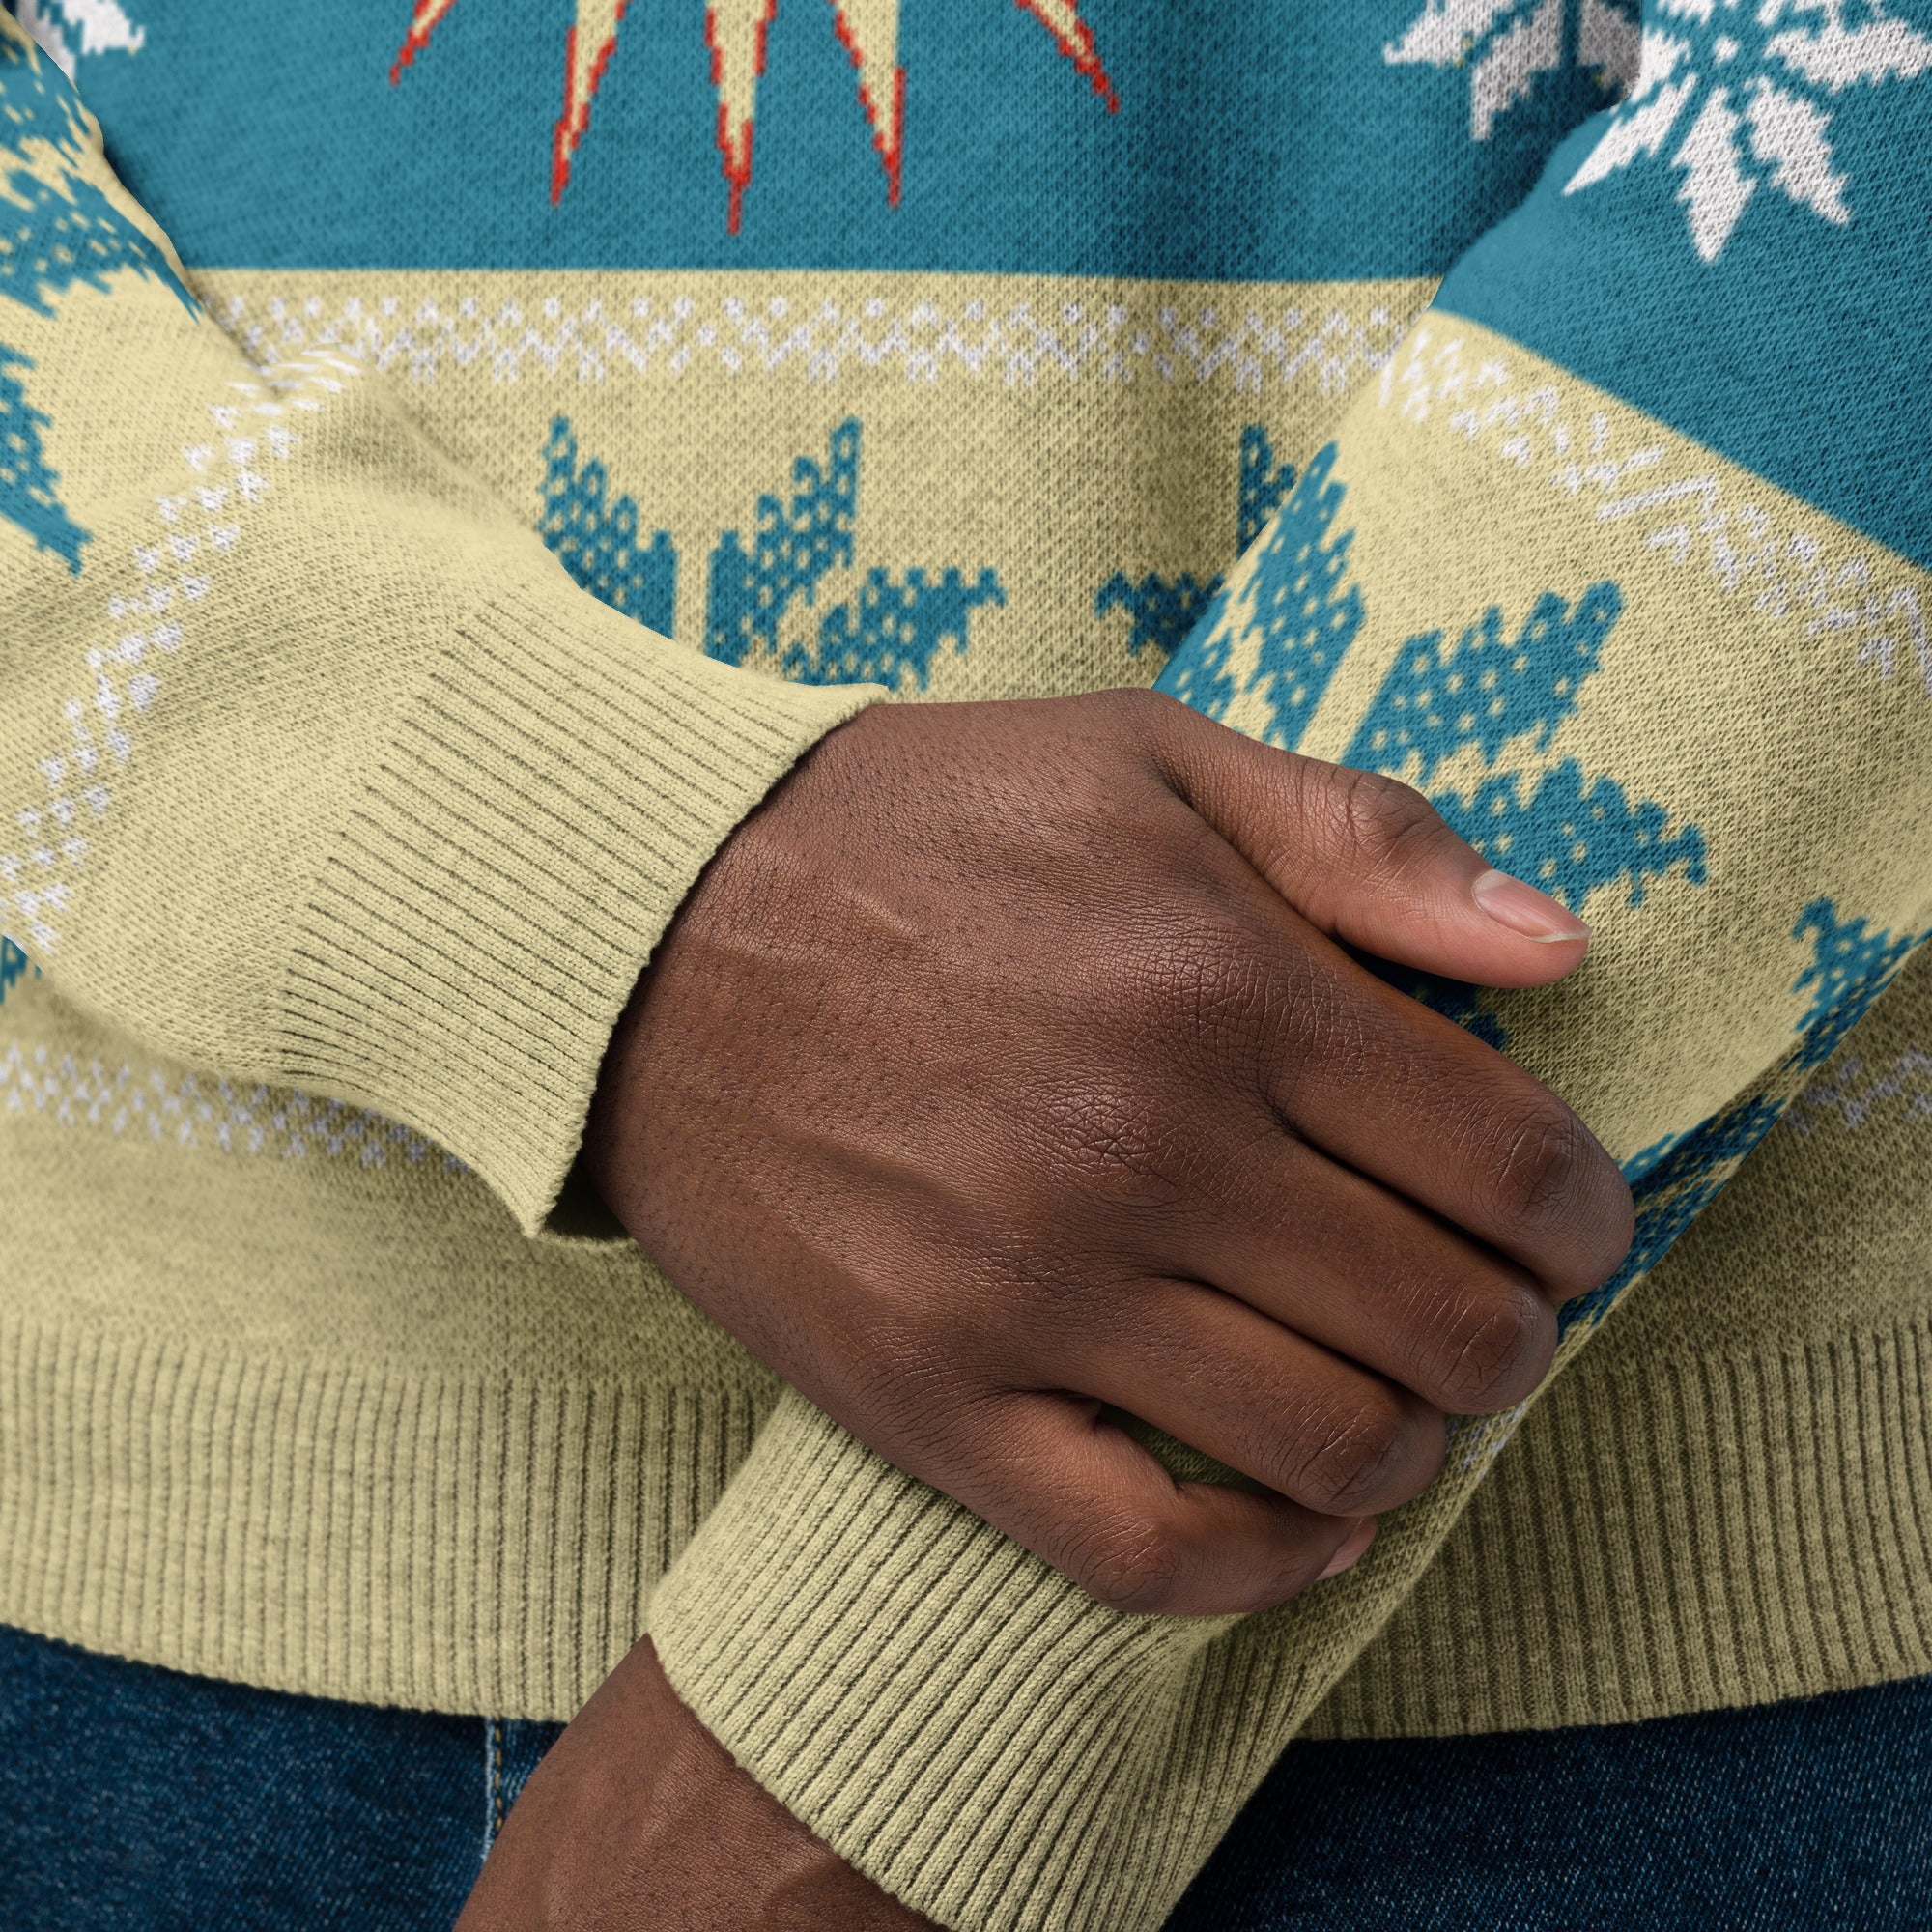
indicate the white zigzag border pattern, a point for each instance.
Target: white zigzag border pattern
{"x":1908,"y":1080}
{"x":824,"y":341}
{"x":198,"y":526}
{"x":147,"y":619}
{"x":1688,"y":515}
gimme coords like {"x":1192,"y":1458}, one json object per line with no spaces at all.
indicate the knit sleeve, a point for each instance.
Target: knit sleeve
{"x":1624,"y":563}
{"x":315,"y":765}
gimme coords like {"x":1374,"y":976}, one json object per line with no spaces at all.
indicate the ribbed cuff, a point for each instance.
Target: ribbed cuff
{"x":960,"y":1723}
{"x":554,"y":786}
{"x":896,"y":1673}
{"x":993,"y":1747}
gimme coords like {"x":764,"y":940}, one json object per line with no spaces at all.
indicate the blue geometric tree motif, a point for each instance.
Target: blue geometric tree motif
{"x":51,"y":237}
{"x":1263,"y":487}
{"x":795,"y":546}
{"x":54,"y":236}
{"x":1163,"y":611}
{"x":596,"y":540}
{"x":1197,"y":670}
{"x":1488,"y":689}
{"x":1564,"y":831}
{"x":897,"y":625}
{"x":1571,"y":838}
{"x":1850,"y":968}
{"x":27,"y":493}
{"x":1306,"y":619}
{"x":1294,"y":600}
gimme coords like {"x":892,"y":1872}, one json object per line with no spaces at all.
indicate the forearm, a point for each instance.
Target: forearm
{"x":638,"y":1819}
{"x":327,"y":774}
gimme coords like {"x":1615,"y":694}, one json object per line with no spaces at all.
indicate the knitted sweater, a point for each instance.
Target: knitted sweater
{"x":451,"y":466}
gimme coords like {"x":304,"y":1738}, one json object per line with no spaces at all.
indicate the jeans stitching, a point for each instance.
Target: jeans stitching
{"x":492,"y":1781}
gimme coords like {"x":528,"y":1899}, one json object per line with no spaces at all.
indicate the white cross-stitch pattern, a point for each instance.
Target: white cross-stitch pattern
{"x":1506,"y":44}
{"x":70,"y":31}
{"x":149,"y":616}
{"x":1619,"y":467}
{"x":1843,"y":1090}
{"x":1749,"y":83}
{"x":197,"y":1111}
{"x":759,"y":332}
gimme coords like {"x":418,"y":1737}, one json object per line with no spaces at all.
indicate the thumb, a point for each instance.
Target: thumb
{"x":1369,"y":860}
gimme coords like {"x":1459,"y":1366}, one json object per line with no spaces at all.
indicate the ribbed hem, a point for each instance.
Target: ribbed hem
{"x":444,"y":1545}
{"x":555,"y":785}
{"x":980,"y":1738}
{"x":999,"y":1752}
{"x":1723,"y":1529}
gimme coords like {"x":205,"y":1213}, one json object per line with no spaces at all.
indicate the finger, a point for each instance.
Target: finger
{"x":1369,"y":1275}
{"x":1225,"y":1380}
{"x":1351,"y":1551}
{"x":1084,"y":1497}
{"x":1369,"y":859}
{"x":1409,"y":1098}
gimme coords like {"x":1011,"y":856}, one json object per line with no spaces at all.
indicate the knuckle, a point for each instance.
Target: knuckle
{"x":1497,"y":1348}
{"x":1386,"y":823}
{"x":1347,"y":1465}
{"x":1541,"y":1170}
{"x":1602,"y":1228}
{"x":1618,"y":1228}
{"x":1133,"y":1567}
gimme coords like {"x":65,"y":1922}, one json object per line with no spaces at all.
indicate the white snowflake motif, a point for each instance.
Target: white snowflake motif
{"x":1758,"y":72}
{"x":1506,"y":44}
{"x":69,"y":29}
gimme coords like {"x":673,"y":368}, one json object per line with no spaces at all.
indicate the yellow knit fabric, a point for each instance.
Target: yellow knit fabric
{"x":347,"y":820}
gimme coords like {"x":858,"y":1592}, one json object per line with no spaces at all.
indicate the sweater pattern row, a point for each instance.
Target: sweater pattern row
{"x":886,"y":634}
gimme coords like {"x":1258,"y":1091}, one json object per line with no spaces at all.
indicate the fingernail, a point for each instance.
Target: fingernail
{"x":1526,"y":910}
{"x":1358,"y":1540}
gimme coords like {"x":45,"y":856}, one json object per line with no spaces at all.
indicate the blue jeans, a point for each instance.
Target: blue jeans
{"x":131,"y":1797}
{"x":134,"y":1797}
{"x":1783,"y":1818}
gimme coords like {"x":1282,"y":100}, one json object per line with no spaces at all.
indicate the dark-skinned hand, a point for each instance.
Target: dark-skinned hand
{"x":1004,"y":1069}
